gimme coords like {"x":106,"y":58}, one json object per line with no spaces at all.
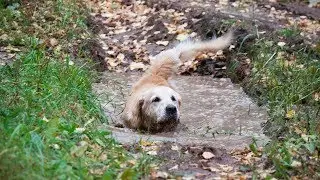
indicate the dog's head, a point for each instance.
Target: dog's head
{"x":159,"y":108}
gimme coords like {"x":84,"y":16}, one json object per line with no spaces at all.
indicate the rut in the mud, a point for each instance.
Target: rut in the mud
{"x":211,"y":109}
{"x":217,"y":116}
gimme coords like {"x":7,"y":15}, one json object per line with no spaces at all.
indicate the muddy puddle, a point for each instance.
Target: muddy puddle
{"x":214,"y":112}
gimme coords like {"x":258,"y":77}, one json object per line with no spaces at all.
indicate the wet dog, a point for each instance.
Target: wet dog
{"x":153,"y":104}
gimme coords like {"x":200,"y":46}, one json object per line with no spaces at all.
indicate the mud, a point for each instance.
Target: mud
{"x":216,"y":117}
{"x":211,"y":109}
{"x":187,"y":161}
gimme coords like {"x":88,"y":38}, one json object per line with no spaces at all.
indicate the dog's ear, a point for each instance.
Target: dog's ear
{"x":133,"y":114}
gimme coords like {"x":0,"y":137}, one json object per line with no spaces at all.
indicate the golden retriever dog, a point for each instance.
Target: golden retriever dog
{"x":153,"y":104}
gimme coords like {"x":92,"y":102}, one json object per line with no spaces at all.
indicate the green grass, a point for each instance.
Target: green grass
{"x":287,"y":80}
{"x":49,"y":117}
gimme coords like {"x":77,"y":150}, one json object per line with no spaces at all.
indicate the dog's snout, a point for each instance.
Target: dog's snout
{"x":171,"y":109}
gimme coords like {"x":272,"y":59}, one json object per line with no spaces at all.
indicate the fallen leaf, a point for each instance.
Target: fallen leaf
{"x":163,"y":43}
{"x":161,"y":174}
{"x":182,"y":37}
{"x":79,"y":130}
{"x":120,"y":57}
{"x":152,"y":153}
{"x":137,"y":65}
{"x":316,"y":96}
{"x":110,"y":52}
{"x":145,"y":143}
{"x":219,"y":53}
{"x":174,"y":167}
{"x":207,"y":155}
{"x":296,"y":164}
{"x":53,"y":42}
{"x":175,"y":148}
{"x":113,"y":62}
{"x":45,"y":119}
{"x":55,"y":146}
{"x":290,"y":114}
{"x":281,"y":44}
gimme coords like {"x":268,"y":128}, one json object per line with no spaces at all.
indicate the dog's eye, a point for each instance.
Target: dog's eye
{"x":173,"y":98}
{"x":156,"y":99}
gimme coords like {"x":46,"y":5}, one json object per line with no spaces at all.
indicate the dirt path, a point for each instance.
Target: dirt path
{"x":218,"y":118}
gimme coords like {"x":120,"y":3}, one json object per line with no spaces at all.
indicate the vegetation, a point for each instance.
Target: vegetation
{"x":286,"y":77}
{"x":49,"y":118}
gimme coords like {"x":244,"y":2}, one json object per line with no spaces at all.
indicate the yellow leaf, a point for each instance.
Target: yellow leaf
{"x":182,"y":36}
{"x":146,"y":143}
{"x":290,"y":114}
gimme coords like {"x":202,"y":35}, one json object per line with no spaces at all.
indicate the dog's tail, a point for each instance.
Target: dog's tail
{"x":166,"y":63}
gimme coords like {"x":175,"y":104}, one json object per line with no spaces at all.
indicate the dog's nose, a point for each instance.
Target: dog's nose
{"x":171,"y":109}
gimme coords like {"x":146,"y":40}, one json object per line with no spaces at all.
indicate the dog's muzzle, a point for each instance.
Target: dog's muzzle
{"x":171,"y":113}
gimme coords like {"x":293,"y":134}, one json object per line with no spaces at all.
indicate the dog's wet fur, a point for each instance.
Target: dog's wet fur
{"x":153,"y":105}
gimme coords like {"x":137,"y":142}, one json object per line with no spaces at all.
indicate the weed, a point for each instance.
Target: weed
{"x":286,"y":78}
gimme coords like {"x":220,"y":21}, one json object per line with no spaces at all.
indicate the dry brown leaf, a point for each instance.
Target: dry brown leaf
{"x":120,"y":57}
{"x":113,"y":62}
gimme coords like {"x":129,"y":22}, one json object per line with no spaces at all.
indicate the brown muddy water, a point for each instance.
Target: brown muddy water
{"x":214,"y":112}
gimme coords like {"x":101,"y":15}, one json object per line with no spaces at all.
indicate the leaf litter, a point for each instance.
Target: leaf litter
{"x":137,"y":32}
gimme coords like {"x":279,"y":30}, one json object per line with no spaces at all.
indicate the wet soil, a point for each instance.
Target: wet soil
{"x":216,"y":116}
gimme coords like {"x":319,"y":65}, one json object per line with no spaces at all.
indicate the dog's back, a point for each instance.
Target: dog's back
{"x":166,"y":63}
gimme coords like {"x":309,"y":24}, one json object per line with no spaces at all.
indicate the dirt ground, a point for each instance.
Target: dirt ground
{"x":131,"y":32}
